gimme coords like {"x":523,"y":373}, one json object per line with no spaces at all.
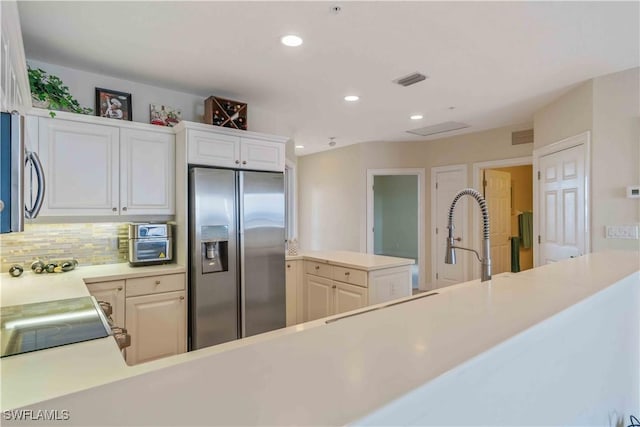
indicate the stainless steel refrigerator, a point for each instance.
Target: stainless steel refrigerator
{"x":236,"y":254}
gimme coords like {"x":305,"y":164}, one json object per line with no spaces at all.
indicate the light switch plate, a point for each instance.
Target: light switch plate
{"x":621,"y":232}
{"x":633,"y":192}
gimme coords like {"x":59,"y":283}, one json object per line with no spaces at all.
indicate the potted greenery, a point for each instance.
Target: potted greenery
{"x":48,"y":91}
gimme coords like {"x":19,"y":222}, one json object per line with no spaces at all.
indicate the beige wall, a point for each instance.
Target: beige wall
{"x":567,"y":116}
{"x":615,"y":155}
{"x":332,"y":196}
{"x":609,"y":107}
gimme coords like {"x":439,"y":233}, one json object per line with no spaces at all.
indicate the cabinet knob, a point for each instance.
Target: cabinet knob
{"x":124,"y":209}
{"x":317,"y":267}
{"x":346,"y":273}
{"x":120,"y":288}
{"x":181,"y":298}
{"x":115,"y":209}
{"x":237,"y":162}
{"x":157,"y":282}
{"x":244,"y":162}
{"x":288,"y":265}
{"x":334,"y":286}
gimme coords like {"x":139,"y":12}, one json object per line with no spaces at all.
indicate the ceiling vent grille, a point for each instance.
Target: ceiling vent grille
{"x":411,"y":79}
{"x":522,"y":137}
{"x":439,"y":128}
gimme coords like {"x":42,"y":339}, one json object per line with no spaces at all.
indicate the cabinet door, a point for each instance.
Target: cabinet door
{"x":349,"y":297}
{"x":157,"y":324}
{"x":257,"y":154}
{"x":389,"y":284}
{"x":208,"y":148}
{"x":113,"y":293}
{"x":318,"y":294}
{"x":81,"y":164}
{"x":291,"y":279}
{"x":147,"y":172}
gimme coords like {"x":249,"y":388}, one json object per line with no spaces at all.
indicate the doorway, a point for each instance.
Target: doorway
{"x":507,"y":186}
{"x":395,"y":216}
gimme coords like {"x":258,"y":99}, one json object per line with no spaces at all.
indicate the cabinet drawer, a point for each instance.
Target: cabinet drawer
{"x":318,"y":269}
{"x":155,"y":284}
{"x":349,"y":275}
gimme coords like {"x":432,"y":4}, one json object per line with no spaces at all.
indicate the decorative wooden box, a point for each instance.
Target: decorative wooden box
{"x":225,"y":112}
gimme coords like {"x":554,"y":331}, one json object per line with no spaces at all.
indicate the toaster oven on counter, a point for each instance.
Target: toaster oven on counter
{"x":150,"y":243}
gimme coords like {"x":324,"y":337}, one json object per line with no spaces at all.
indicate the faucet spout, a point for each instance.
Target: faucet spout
{"x":450,"y":255}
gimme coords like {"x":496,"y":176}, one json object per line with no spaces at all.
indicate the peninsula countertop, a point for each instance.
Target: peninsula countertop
{"x":349,"y":259}
{"x":335,"y":373}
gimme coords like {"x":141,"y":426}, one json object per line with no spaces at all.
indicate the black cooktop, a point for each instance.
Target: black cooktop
{"x":32,"y":327}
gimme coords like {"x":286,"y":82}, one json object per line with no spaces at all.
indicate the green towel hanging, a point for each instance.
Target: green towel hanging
{"x":515,"y":254}
{"x":525,"y":225}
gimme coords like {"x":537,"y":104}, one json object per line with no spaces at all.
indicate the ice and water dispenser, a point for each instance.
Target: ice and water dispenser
{"x":214,"y":243}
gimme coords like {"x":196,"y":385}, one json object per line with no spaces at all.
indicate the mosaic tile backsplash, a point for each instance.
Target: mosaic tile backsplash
{"x":90,"y":244}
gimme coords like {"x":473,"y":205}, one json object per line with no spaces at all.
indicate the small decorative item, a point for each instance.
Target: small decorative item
{"x":49,"y":92}
{"x":113,"y":104}
{"x":163,"y":115}
{"x":225,"y":112}
{"x":16,"y":270}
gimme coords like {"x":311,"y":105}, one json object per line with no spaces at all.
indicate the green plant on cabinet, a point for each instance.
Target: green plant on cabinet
{"x":48,"y":91}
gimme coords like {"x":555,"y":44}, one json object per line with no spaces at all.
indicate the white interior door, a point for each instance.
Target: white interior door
{"x":497,"y":193}
{"x":447,"y":184}
{"x":562,"y":205}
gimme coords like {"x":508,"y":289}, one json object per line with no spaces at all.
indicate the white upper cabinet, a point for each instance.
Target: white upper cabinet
{"x":230,"y":148}
{"x":262,"y":155}
{"x":81,"y":163}
{"x":147,"y":172}
{"x":14,"y":81}
{"x":207,"y":148}
{"x":96,"y":170}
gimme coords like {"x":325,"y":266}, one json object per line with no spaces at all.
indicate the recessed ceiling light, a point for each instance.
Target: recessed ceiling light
{"x":291,"y":40}
{"x":299,"y":146}
{"x":416,"y":117}
{"x":351,"y":98}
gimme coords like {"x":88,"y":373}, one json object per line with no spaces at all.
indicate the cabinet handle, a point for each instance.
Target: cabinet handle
{"x":115,"y":209}
{"x":181,"y":298}
{"x":334,"y":286}
{"x":317,"y":267}
{"x":237,"y":162}
{"x":346,"y":273}
{"x":157,"y":282}
{"x":244,"y":162}
{"x":119,"y":288}
{"x":124,"y":209}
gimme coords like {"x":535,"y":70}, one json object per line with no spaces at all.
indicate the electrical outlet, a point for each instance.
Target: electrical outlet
{"x":621,"y":232}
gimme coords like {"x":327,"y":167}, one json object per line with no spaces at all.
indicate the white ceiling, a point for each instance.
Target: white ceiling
{"x":497,"y":62}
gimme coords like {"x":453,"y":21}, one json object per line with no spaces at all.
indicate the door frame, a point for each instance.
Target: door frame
{"x":465,"y":220}
{"x":479,"y":166}
{"x":371,"y":173}
{"x":584,"y":139}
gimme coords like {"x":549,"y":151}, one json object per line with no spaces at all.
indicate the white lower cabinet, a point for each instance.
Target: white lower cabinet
{"x":113,"y":293}
{"x":153,"y":309}
{"x":330,"y":289}
{"x":157,"y":325}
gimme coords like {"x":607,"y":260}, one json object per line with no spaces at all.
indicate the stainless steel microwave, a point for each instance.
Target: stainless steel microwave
{"x":150,"y":244}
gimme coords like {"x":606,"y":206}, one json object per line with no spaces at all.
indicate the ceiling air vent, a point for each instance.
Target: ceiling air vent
{"x":411,"y":79}
{"x":439,"y":128}
{"x":522,"y":137}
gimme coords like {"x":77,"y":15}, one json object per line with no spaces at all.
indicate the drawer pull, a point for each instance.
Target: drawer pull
{"x":334,"y":286}
{"x":288,"y":265}
{"x":181,"y":298}
{"x":119,"y":288}
{"x":317,"y":267}
{"x":157,"y":282}
{"x":346,"y":273}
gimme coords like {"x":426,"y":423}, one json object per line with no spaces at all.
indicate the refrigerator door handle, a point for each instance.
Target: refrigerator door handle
{"x":243,"y":322}
{"x":32,"y":212}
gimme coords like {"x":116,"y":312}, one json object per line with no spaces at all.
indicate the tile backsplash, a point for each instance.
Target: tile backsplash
{"x":89,"y":243}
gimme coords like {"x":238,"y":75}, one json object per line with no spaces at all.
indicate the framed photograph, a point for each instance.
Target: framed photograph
{"x":113,"y":104}
{"x":163,"y":115}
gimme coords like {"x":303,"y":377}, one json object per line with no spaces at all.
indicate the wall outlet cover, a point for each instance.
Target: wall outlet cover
{"x":621,"y":232}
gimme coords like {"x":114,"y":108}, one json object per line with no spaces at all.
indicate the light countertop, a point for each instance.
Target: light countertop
{"x":336,"y":373}
{"x":357,"y":260}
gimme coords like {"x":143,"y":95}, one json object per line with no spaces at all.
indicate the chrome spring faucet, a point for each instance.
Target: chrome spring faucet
{"x":450,"y":256}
